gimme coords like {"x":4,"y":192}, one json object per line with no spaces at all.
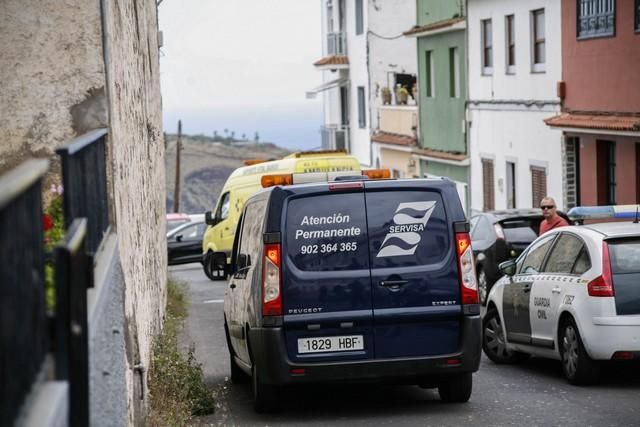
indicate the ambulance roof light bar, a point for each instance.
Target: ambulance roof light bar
{"x":581,"y":213}
{"x":303,"y":178}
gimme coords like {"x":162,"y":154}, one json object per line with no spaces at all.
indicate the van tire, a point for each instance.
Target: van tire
{"x":577,"y":367}
{"x":207,"y":267}
{"x":265,"y":397}
{"x":456,"y":389}
{"x":494,"y":342}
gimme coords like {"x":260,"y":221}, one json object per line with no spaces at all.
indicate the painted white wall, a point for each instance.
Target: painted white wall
{"x":501,"y":126}
{"x":523,"y":84}
{"x":518,"y":136}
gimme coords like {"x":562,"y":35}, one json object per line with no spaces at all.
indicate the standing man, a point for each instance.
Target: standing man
{"x":551,"y":218}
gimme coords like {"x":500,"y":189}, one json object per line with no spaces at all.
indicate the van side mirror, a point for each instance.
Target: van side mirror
{"x":219,"y":269}
{"x":508,"y":267}
{"x":208,"y":218}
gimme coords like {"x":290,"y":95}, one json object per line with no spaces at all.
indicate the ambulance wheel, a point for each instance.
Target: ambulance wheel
{"x":577,"y":366}
{"x":456,"y":389}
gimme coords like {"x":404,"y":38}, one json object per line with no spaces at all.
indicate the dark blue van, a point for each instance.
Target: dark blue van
{"x":351,"y":281}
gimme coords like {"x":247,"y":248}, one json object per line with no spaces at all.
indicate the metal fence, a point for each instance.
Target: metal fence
{"x":23,"y":323}
{"x":85,"y":184}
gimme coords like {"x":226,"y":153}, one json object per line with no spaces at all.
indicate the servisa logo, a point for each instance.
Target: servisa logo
{"x":406,"y":229}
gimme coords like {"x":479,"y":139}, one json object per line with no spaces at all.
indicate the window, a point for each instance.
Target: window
{"x":251,"y":235}
{"x":487,"y":47}
{"x":429,"y":74}
{"x":583,"y":263}
{"x":223,"y":211}
{"x":638,"y":16}
{"x":510,"y":37}
{"x":596,"y":18}
{"x":538,"y":40}
{"x":454,"y":73}
{"x":538,"y":185}
{"x":535,"y":256}
{"x":606,"y":172}
{"x":359,"y":18}
{"x":511,"y":185}
{"x":488,"y":191}
{"x":362,"y":112}
{"x":564,"y":255}
{"x":330,"y":25}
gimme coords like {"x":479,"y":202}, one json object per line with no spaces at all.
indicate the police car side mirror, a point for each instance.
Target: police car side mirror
{"x":508,"y":267}
{"x":179,"y":238}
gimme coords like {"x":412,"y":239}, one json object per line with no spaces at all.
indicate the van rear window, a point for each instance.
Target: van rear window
{"x":327,"y":232}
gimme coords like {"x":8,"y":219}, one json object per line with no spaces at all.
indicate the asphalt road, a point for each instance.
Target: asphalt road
{"x":530,"y":394}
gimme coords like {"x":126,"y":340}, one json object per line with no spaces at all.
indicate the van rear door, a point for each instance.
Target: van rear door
{"x":326,"y":279}
{"x":414,"y":273}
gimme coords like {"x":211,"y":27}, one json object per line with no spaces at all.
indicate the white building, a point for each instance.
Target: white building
{"x":364,"y":50}
{"x":514,"y":69}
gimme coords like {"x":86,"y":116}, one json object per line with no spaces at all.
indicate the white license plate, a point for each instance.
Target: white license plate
{"x":326,"y":344}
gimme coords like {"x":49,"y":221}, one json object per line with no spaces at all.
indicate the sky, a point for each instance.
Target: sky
{"x":242,"y":65}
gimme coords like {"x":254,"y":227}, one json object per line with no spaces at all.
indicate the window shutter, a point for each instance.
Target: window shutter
{"x":488,"y":189}
{"x":538,"y":185}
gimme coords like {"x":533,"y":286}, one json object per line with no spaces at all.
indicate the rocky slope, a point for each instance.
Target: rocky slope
{"x":205,"y":166}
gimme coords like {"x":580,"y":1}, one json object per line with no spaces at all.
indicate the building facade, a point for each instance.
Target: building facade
{"x":442,"y":83}
{"x":600,"y":116}
{"x":364,"y":52}
{"x":514,"y":66}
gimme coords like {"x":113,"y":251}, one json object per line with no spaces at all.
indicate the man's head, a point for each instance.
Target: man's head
{"x":548,"y":206}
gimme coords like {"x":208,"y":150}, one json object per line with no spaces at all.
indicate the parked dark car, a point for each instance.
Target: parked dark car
{"x":184,"y":243}
{"x":351,"y":281}
{"x":497,"y":236}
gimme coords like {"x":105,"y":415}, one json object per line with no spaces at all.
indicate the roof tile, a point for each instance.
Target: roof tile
{"x":393,"y":138}
{"x":332,"y":60}
{"x":625,"y":122}
{"x":433,"y":26}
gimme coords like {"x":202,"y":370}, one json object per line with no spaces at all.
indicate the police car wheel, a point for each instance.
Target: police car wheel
{"x":577,"y":366}
{"x":456,"y":389}
{"x":265,"y":397}
{"x":493,"y":340}
{"x":483,"y":286}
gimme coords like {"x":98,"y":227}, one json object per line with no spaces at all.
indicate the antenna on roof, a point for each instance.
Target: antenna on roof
{"x":635,"y":220}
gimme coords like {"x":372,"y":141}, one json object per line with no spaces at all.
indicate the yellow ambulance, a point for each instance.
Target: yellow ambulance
{"x":245,"y":181}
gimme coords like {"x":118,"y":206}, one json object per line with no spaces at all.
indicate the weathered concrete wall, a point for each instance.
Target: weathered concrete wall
{"x":52,"y":81}
{"x":51,"y":69}
{"x":137,"y":152}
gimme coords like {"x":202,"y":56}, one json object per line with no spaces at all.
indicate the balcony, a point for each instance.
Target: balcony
{"x":335,"y":137}
{"x":334,"y":53}
{"x":399,"y":120}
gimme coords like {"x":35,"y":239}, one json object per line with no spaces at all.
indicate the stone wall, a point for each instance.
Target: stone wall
{"x":137,"y":151}
{"x":54,"y":87}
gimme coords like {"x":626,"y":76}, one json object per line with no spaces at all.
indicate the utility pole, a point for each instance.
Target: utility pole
{"x":176,"y":193}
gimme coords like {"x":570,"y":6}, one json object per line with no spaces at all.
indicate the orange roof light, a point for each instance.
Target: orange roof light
{"x":377,"y":173}
{"x":271,"y":180}
{"x":251,"y":162}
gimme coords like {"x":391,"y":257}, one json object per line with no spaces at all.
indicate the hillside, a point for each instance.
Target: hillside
{"x":206,"y":164}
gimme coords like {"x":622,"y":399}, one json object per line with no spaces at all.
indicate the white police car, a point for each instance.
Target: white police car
{"x":573,"y":295}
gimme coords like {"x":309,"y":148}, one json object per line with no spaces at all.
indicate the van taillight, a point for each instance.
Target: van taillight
{"x":468,"y":282}
{"x":271,"y":289}
{"x":602,"y":286}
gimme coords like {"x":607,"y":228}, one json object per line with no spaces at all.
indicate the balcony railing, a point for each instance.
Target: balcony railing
{"x":85,"y":184}
{"x":336,"y":44}
{"x":335,"y":137}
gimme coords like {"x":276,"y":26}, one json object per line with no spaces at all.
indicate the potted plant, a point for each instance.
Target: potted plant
{"x":386,"y":95}
{"x":402,"y":95}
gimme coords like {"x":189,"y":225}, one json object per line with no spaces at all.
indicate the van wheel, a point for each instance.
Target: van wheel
{"x":265,"y":397}
{"x":456,"y":389}
{"x":207,"y":266}
{"x":493,"y":341}
{"x":577,"y":366}
{"x":483,"y":286}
